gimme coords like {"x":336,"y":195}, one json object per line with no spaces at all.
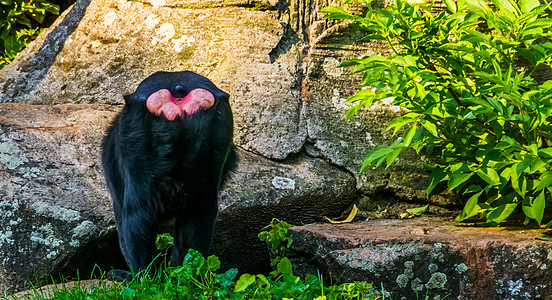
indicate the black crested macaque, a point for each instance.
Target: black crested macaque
{"x":167,"y":155}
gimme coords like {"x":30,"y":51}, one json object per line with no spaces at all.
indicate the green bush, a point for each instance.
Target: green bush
{"x":465,"y":75}
{"x":20,"y":23}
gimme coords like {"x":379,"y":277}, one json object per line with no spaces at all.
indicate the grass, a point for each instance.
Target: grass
{"x":197,"y":279}
{"x":86,"y":289}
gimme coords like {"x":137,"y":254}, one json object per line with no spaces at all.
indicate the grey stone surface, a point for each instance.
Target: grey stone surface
{"x":53,"y":200}
{"x":346,"y":143}
{"x":428,"y":256}
{"x":96,"y":56}
{"x":300,"y":190}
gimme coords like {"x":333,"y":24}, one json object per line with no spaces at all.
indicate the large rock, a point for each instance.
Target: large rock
{"x":327,"y":87}
{"x":53,"y":202}
{"x":94,"y":57}
{"x":278,"y":61}
{"x":56,"y":216}
{"x":428,"y":256}
{"x":300,"y":191}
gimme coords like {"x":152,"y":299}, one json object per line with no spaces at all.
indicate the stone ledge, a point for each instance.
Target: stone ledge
{"x":428,"y":255}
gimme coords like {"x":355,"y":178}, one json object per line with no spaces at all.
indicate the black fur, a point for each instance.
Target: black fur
{"x":158,"y":169}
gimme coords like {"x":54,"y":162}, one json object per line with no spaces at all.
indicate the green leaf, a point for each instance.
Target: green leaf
{"x":496,"y":104}
{"x":380,"y":161}
{"x":284,"y":266}
{"x":501,"y":212}
{"x":411,"y":60}
{"x":128,"y":292}
{"x":336,"y":12}
{"x":244,"y":281}
{"x":474,"y":188}
{"x":509,"y":5}
{"x":505,"y":176}
{"x":12,"y":46}
{"x":353,"y":110}
{"x":213,"y":263}
{"x":390,"y":158}
{"x":227,"y":278}
{"x":437,"y":175}
{"x":533,"y":149}
{"x":545,"y":152}
{"x":451,"y":5}
{"x":375,"y":154}
{"x":163,"y":241}
{"x":489,"y":175}
{"x":471,"y":208}
{"x":418,"y":210}
{"x":350,"y":62}
{"x":537,"y":166}
{"x":545,"y":180}
{"x":528,"y":5}
{"x":333,"y":9}
{"x":362,"y":95}
{"x":540,"y":24}
{"x":539,"y":49}
{"x":534,"y":207}
{"x":497,"y":127}
{"x":520,"y":167}
{"x":399,"y":122}
{"x":430,"y":127}
{"x":438,"y":110}
{"x":458,"y":167}
{"x":409,"y":135}
{"x":263,"y":278}
{"x":50,"y":7}
{"x":24,"y":20}
{"x":457,"y":179}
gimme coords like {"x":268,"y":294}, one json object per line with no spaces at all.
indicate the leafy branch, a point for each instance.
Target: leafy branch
{"x":472,"y":105}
